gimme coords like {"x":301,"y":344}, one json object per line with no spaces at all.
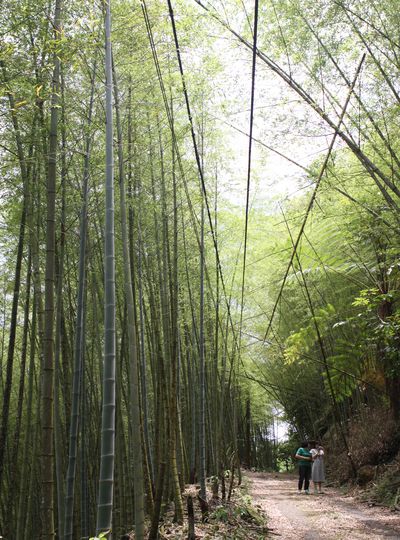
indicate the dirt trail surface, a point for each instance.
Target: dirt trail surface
{"x":330,"y":516}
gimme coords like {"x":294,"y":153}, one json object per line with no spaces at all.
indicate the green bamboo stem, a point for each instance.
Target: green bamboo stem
{"x":106,"y":480}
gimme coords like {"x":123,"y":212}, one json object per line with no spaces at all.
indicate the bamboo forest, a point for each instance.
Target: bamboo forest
{"x":199,"y":269}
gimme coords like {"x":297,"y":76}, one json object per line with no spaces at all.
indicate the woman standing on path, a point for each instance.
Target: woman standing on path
{"x":318,"y":468}
{"x":305,"y":461}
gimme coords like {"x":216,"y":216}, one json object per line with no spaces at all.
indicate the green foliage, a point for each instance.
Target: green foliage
{"x":220,"y":514}
{"x":381,"y":325}
{"x":302,"y":342}
{"x":243,"y":509}
{"x":101,"y":535}
{"x":285,"y":453}
{"x":247,"y":512}
{"x":349,"y":260}
{"x":386,"y":490}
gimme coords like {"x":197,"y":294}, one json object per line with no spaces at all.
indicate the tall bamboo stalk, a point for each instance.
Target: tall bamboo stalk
{"x":79,"y":334}
{"x":17,"y":279}
{"x":47,"y":414}
{"x":202,"y":419}
{"x":106,"y":480}
{"x":132,"y":339}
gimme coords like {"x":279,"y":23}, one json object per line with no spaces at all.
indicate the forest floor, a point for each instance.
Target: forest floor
{"x":330,"y":516}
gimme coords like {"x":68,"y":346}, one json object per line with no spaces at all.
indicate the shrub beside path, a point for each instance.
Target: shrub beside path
{"x":331,"y":516}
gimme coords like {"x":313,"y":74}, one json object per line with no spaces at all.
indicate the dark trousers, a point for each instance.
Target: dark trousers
{"x":304,"y":476}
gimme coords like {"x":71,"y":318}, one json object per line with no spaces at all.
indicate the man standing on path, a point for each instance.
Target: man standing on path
{"x":304,"y":456}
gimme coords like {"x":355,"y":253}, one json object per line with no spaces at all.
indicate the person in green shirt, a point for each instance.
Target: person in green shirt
{"x":303,"y":455}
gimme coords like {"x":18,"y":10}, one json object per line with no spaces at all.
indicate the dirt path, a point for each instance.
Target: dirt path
{"x":318,"y":517}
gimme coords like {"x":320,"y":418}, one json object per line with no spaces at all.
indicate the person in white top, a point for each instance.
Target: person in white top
{"x":318,"y":467}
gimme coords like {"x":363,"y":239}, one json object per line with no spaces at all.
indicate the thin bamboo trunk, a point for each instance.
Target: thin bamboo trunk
{"x":83,"y":433}
{"x":132,"y":339}
{"x":9,"y":524}
{"x":202,"y":423}
{"x":21,"y":509}
{"x":79,"y":334}
{"x":58,"y":443}
{"x":174,"y":397}
{"x":17,"y":280}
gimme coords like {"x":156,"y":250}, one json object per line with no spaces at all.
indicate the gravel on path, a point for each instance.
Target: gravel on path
{"x":331,"y":516}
